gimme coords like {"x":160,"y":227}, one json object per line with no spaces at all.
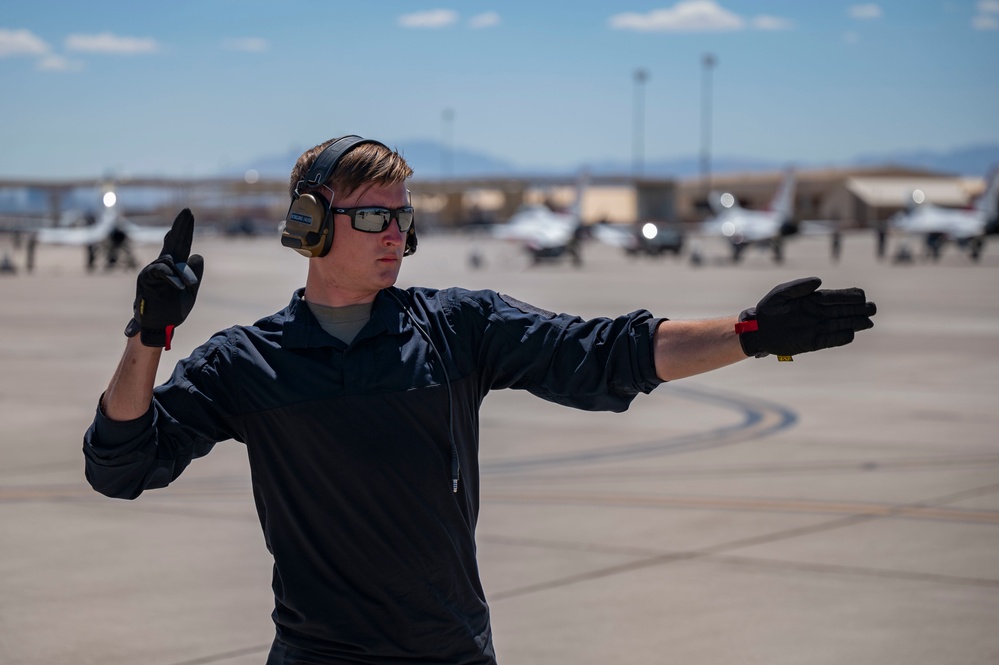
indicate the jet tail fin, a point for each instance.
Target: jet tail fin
{"x":988,"y":202}
{"x":582,"y":184}
{"x":783,"y":201}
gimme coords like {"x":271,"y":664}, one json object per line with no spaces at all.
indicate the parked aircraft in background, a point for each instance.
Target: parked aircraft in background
{"x":107,"y":235}
{"x":968,"y":228}
{"x":542,"y":232}
{"x":546,"y":234}
{"x":744,"y":228}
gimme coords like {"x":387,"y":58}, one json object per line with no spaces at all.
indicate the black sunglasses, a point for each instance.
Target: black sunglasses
{"x":376,"y":220}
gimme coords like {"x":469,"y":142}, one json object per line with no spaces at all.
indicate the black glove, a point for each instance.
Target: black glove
{"x":166,"y":289}
{"x":796,"y":318}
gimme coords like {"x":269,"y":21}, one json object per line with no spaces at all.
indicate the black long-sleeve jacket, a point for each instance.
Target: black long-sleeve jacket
{"x":351,"y":455}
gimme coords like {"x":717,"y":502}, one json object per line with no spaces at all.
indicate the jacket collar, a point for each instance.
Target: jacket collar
{"x":300,"y":328}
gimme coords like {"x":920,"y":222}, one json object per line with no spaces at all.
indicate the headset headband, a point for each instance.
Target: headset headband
{"x":329,"y":157}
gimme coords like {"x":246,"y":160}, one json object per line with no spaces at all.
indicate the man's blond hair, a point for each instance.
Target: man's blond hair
{"x":364,"y":165}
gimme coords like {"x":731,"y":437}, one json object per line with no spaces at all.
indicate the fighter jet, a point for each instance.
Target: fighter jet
{"x":967,"y":228}
{"x":546,"y":234}
{"x":743,"y":227}
{"x":107,"y":234}
{"x":542,"y":232}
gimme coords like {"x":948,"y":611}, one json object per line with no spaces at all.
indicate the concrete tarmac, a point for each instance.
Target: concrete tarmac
{"x":842,"y":508}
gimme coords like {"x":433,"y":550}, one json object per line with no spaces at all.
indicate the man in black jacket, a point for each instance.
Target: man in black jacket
{"x":358,"y":404}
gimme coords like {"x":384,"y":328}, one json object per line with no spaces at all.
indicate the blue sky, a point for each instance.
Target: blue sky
{"x":189,"y":88}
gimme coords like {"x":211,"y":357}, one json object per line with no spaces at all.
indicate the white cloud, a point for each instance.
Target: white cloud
{"x":57,"y":63}
{"x":686,"y":16}
{"x":21,"y":42}
{"x":851,"y":37}
{"x":986,"y":18}
{"x":249,"y":44}
{"x":865,"y":12}
{"x":434,"y":18}
{"x":109,"y":43}
{"x":484,"y":20}
{"x":772,"y":23}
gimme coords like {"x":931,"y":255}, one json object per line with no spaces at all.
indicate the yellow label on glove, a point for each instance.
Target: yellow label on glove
{"x":785,"y":359}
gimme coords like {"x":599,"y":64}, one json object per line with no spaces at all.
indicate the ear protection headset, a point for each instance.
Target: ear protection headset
{"x":308,"y":226}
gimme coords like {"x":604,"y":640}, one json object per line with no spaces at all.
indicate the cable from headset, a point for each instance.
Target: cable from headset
{"x":455,"y":466}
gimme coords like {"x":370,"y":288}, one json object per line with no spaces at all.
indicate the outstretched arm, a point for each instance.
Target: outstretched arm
{"x":795,"y":317}
{"x":686,"y":348}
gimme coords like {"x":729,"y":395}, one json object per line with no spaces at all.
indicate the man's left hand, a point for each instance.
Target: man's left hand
{"x":797,"y":317}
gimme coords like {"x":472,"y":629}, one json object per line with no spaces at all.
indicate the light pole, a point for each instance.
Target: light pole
{"x":708,"y":63}
{"x":447,"y":143}
{"x":641,"y":76}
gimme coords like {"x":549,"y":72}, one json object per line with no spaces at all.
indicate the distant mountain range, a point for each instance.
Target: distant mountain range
{"x":429,"y":161}
{"x":974,"y":160}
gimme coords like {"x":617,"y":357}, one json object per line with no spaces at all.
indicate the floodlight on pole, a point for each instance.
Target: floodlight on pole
{"x":708,"y":62}
{"x":641,"y":76}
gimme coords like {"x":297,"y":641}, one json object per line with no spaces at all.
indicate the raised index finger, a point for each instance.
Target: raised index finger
{"x":177,"y":243}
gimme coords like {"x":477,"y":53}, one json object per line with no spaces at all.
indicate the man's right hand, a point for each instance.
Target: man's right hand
{"x":166,"y":289}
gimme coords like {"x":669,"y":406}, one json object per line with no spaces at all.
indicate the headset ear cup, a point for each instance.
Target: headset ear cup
{"x":326,"y":234}
{"x":307,"y":227}
{"x":410,"y":241}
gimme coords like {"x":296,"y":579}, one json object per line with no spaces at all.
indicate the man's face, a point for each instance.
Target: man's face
{"x":361,"y":264}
